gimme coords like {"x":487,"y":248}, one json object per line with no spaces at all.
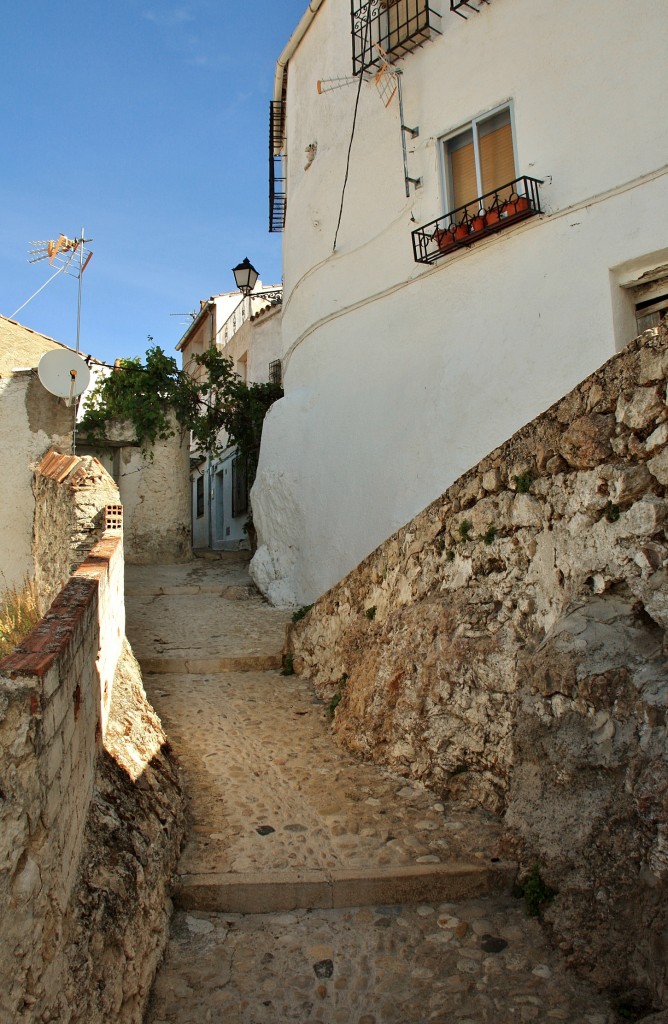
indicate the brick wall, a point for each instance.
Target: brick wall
{"x":55,"y":692}
{"x":91,"y":811}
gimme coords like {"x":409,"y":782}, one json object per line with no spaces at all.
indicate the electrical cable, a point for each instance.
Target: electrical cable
{"x":352,"y":133}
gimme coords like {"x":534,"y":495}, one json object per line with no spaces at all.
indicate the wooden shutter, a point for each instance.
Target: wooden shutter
{"x":463,"y":180}
{"x":497,"y":157}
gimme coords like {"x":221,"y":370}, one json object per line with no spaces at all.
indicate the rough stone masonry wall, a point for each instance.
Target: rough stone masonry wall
{"x":506,"y":648}
{"x":71,"y":494}
{"x":155,"y":492}
{"x":31,"y":420}
{"x":89,"y":827}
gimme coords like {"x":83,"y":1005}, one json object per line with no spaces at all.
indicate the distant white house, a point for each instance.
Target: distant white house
{"x":502,"y":231}
{"x":247,"y":330}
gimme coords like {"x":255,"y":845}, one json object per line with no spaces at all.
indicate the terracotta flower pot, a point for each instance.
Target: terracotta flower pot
{"x":515,"y":206}
{"x":492,"y":216}
{"x":477,"y":224}
{"x":461,"y":231}
{"x":444,"y":238}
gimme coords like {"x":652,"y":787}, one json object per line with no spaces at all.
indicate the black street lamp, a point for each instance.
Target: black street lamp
{"x":245,"y":276}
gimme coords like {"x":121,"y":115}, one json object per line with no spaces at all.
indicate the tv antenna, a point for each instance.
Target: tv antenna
{"x":387,"y":80}
{"x":70,"y":256}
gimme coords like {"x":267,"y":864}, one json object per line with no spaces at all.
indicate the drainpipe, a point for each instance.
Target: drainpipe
{"x":294,"y":41}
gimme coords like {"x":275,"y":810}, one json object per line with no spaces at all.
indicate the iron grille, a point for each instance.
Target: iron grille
{"x":275,"y":374}
{"x":398,"y":26}
{"x":485,"y":215}
{"x":461,"y":6}
{"x":277,"y":179}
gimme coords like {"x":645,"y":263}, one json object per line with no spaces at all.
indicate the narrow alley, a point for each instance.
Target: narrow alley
{"x":313,"y":887}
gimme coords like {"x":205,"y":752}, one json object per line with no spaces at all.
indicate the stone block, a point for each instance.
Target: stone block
{"x":586,"y":443}
{"x":658,"y":467}
{"x":527,"y":511}
{"x":639,"y":408}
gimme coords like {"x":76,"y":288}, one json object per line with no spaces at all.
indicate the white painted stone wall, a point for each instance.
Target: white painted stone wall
{"x":31,"y":420}
{"x":399,"y":376}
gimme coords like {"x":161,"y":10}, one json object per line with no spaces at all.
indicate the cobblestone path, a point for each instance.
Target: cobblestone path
{"x":386,"y":906}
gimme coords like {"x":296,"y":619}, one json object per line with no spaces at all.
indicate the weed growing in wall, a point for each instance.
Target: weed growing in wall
{"x":465,"y":528}
{"x":612,"y":512}
{"x":489,"y":535}
{"x":298,"y":615}
{"x":336,"y":699}
{"x":371,"y":613}
{"x":288,"y":668}
{"x":535,"y":892}
{"x":19,"y":614}
{"x":523,"y":483}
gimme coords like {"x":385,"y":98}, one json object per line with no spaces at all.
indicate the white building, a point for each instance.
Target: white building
{"x":247,"y":330}
{"x":413,"y":349}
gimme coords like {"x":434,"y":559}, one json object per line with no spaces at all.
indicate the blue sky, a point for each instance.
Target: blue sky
{"x":145,"y":122}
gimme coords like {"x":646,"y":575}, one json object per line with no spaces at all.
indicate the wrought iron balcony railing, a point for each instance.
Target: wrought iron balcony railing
{"x":461,"y":6}
{"x":483,"y":216}
{"x":397,"y":26}
{"x":277,"y":182}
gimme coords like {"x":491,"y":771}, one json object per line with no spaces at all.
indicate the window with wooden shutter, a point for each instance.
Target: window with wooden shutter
{"x":480,"y":159}
{"x":497,"y":155}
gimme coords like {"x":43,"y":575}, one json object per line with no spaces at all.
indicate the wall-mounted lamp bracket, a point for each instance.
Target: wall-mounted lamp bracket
{"x":413,"y":132}
{"x":417,"y":182}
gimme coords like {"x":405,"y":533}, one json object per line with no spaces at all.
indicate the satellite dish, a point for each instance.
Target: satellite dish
{"x":64,"y":374}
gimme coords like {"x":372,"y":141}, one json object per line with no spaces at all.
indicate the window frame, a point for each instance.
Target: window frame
{"x":443,"y":140}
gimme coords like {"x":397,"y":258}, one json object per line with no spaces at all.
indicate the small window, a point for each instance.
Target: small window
{"x":480,"y":158}
{"x":651,"y":312}
{"x":199,"y":496}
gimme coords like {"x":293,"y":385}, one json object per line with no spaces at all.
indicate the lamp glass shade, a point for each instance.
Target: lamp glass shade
{"x":245,"y":276}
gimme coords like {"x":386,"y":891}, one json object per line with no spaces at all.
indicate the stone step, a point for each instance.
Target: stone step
{"x":208,"y":666}
{"x":229,"y":591}
{"x":265,"y":892}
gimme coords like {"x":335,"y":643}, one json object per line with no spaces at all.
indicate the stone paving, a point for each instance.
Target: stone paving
{"x":273,"y":799}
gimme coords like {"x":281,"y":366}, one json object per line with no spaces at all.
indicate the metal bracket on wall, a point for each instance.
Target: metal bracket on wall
{"x":413,"y":132}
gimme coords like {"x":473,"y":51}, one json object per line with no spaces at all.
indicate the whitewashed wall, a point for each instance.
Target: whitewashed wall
{"x":399,"y":376}
{"x":31,"y":420}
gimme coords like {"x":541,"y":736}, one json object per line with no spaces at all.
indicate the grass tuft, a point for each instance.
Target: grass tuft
{"x":19,"y":614}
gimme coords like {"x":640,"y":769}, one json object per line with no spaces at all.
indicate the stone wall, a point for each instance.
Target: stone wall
{"x":71,"y":494}
{"x":155,"y":493}
{"x":31,"y":421}
{"x":506,"y":648}
{"x":91,"y":813}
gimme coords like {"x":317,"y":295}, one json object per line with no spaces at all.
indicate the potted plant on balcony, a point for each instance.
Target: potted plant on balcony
{"x":515,"y":205}
{"x":462,"y":230}
{"x":444,"y":238}
{"x":492,"y":214}
{"x":478,"y":222}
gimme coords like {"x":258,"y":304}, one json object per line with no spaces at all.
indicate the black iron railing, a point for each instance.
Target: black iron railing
{"x":398,"y":26}
{"x":460,"y":7}
{"x":277,"y":179}
{"x":275,"y":372}
{"x":483,"y":216}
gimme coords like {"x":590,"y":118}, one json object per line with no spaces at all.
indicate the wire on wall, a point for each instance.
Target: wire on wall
{"x":352,"y":133}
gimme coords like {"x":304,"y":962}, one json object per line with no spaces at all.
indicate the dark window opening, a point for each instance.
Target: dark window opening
{"x":239,"y":486}
{"x":199,"y":495}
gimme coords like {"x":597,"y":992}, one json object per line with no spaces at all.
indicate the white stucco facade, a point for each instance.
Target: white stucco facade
{"x":399,"y":376}
{"x":247,"y":331}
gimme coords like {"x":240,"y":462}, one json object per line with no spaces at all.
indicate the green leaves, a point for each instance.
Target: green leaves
{"x":220,"y":409}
